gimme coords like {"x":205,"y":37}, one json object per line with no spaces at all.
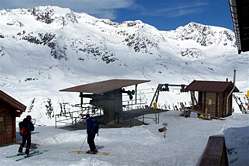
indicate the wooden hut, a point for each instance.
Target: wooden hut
{"x":214,"y":98}
{"x":9,"y":110}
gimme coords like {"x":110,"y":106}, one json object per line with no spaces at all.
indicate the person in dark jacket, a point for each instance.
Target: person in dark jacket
{"x":92,"y":130}
{"x":26,"y":126}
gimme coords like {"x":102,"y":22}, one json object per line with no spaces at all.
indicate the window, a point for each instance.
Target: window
{"x":2,"y":125}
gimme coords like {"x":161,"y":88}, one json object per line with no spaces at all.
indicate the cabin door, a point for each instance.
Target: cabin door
{"x":211,"y":104}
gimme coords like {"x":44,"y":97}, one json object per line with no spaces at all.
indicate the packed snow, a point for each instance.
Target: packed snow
{"x":182,"y":145}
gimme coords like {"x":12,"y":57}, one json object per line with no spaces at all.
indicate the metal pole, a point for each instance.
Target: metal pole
{"x":136,"y":94}
{"x":83,"y":143}
{"x":155,"y":94}
{"x":81,"y":100}
{"x":231,"y":92}
{"x":158,"y":116}
{"x":234,"y":76}
{"x":55,"y":122}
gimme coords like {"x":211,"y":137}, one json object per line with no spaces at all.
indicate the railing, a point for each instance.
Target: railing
{"x":133,"y":104}
{"x":73,"y":117}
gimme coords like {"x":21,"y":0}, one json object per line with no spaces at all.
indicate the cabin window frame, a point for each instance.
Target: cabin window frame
{"x":2,"y":124}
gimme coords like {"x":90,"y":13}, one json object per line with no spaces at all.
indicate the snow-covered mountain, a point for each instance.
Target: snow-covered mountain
{"x":48,"y":48}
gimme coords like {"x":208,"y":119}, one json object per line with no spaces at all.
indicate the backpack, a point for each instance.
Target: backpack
{"x":23,"y":130}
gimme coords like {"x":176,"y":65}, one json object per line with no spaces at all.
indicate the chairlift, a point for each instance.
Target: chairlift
{"x":165,"y":87}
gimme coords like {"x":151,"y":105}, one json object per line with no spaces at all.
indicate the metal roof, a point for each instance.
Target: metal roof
{"x":210,"y":86}
{"x":240,"y":14}
{"x":104,"y":86}
{"x":12,"y":102}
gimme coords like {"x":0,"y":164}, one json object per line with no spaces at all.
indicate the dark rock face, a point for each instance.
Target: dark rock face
{"x":40,"y":38}
{"x":105,"y":55}
{"x":43,"y":15}
{"x":58,"y":52}
{"x":140,"y":43}
{"x":49,"y":40}
{"x":191,"y":52}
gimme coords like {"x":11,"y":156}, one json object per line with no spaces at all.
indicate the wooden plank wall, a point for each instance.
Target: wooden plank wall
{"x":215,"y":152}
{"x":219,"y":110}
{"x":8,"y":136}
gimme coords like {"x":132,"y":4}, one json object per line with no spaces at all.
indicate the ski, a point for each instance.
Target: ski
{"x":15,"y":155}
{"x":85,"y":152}
{"x":35,"y":153}
{"x":19,"y":154}
{"x":100,"y":153}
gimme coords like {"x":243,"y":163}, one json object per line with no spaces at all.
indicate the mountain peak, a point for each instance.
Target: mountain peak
{"x":205,"y":35}
{"x":52,"y":10}
{"x":55,"y":9}
{"x":195,"y":24}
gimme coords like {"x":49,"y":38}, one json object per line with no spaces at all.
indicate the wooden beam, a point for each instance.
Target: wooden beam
{"x":215,"y":152}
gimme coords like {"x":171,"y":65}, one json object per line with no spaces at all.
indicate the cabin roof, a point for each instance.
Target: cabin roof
{"x":12,"y":102}
{"x":104,"y":86}
{"x":210,"y":86}
{"x":240,"y":13}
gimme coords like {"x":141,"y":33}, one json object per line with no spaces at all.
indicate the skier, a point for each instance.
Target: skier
{"x":92,"y":130}
{"x":26,"y":126}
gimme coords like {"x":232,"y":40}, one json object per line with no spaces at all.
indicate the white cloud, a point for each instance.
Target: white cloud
{"x":100,"y":8}
{"x":178,"y":10}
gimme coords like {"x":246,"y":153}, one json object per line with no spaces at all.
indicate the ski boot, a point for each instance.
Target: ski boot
{"x":91,"y":151}
{"x":27,"y":152}
{"x":20,"y":150}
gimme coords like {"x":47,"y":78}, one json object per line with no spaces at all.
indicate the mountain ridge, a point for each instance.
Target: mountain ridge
{"x":73,"y":39}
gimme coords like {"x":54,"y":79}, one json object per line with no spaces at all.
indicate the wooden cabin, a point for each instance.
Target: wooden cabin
{"x":9,"y":110}
{"x":213,"y":99}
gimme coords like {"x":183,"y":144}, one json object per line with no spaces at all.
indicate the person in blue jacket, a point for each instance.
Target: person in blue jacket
{"x":92,"y":130}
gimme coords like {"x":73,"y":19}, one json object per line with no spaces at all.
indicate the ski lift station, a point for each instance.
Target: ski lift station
{"x":10,"y":108}
{"x":105,"y":97}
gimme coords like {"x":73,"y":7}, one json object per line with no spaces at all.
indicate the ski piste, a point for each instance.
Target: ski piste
{"x":35,"y":153}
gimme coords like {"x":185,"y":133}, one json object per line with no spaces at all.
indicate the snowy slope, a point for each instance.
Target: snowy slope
{"x":48,"y":48}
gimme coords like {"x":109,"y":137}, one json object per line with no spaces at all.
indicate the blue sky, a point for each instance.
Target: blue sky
{"x":163,"y":14}
{"x":169,"y":14}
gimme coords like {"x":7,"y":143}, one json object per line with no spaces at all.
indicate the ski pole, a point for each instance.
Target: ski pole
{"x":83,"y":143}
